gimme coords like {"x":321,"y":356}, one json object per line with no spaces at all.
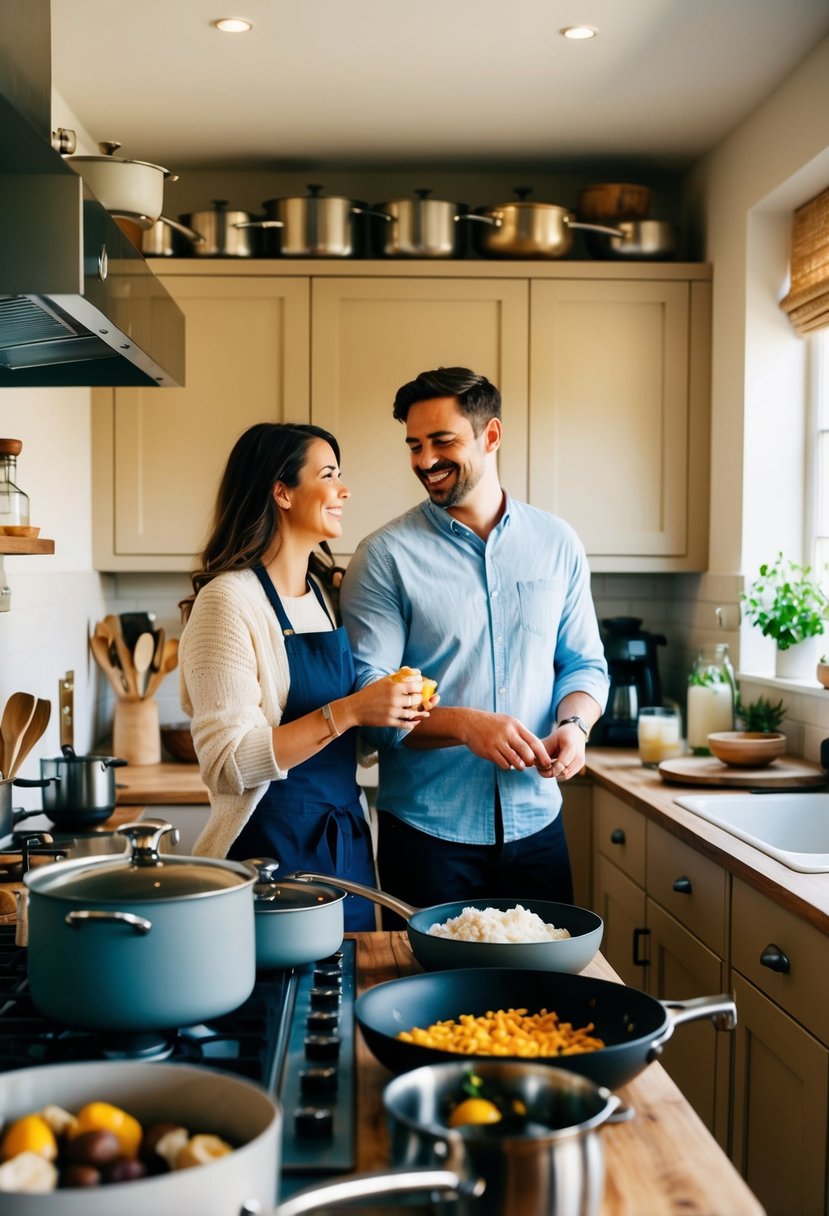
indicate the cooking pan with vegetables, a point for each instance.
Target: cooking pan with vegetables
{"x":571,"y":953}
{"x":633,"y":1026}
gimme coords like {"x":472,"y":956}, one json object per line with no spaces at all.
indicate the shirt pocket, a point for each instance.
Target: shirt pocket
{"x":540,"y":602}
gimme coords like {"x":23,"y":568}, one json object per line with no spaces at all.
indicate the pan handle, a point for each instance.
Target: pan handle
{"x":594,"y":227}
{"x":720,"y":1009}
{"x":446,"y":1183}
{"x":357,"y":888}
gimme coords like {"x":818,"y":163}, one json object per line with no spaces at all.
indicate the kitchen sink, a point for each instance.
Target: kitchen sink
{"x":793,"y":828}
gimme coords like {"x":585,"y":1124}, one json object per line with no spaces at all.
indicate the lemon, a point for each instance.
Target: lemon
{"x":30,"y":1134}
{"x":101,"y":1116}
{"x":474,"y":1110}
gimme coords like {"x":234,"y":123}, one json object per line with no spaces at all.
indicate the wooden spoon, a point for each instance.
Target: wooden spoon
{"x":37,"y":725}
{"x":102,"y":651}
{"x":169,"y":661}
{"x":16,"y":717}
{"x":119,"y":653}
{"x":142,"y":656}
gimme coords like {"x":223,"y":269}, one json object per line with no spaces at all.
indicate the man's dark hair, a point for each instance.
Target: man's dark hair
{"x":477,"y":398}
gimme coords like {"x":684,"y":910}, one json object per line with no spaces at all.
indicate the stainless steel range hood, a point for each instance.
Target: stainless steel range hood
{"x":78,"y":303}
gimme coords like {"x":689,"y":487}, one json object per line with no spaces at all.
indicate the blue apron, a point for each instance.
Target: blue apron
{"x":313,"y":819}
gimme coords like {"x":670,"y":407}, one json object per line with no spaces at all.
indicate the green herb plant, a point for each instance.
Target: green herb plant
{"x":760,"y":715}
{"x":786,"y":603}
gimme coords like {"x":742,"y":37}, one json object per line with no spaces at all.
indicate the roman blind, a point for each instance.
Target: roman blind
{"x":807,"y":302}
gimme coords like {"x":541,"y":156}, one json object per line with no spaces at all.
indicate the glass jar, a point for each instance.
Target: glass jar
{"x":14,"y":504}
{"x":711,"y":697}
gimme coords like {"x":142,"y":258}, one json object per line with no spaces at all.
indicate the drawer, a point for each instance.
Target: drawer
{"x":691,"y":887}
{"x":758,"y":923}
{"x":619,"y":832}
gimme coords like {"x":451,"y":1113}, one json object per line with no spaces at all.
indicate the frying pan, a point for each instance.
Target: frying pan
{"x":434,"y":953}
{"x":633,"y":1025}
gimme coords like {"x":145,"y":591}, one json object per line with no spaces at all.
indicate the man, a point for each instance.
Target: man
{"x":490,"y":597}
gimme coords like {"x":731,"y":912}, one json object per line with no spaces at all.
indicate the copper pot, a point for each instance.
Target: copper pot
{"x":525,"y":230}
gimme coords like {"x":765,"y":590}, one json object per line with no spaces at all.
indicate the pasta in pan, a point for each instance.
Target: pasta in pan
{"x":510,"y":1032}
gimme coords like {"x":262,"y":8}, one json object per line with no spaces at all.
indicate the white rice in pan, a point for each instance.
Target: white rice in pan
{"x":492,"y":925}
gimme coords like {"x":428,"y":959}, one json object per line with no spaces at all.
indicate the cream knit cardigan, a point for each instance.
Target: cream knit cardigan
{"x":233,"y":682}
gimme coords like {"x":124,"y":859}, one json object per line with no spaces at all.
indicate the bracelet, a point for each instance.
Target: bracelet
{"x":329,"y":721}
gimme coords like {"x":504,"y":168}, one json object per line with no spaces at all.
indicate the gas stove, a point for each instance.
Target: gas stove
{"x":294,"y":1036}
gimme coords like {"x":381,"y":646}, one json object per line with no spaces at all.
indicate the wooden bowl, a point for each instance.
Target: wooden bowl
{"x":747,"y":748}
{"x":178,"y":741}
{"x":614,"y":201}
{"x":19,"y":530}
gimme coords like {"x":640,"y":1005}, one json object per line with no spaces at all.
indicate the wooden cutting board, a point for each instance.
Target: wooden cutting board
{"x":708,"y":770}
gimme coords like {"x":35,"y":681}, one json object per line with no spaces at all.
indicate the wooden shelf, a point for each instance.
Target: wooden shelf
{"x":25,"y":544}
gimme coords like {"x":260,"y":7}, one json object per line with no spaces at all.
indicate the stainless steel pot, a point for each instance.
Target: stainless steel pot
{"x":315,"y":226}
{"x":131,"y":189}
{"x":169,"y":239}
{"x":244,"y":1181}
{"x":296,"y":922}
{"x":634,"y":240}
{"x":524,"y":230}
{"x":549,"y":1162}
{"x":419,"y":227}
{"x":224,"y":234}
{"x":140,"y":941}
{"x":9,"y":815}
{"x":77,"y":790}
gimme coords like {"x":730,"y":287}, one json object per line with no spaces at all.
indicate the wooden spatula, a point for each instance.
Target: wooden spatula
{"x":142,"y":656}
{"x":16,"y":717}
{"x":37,"y":725}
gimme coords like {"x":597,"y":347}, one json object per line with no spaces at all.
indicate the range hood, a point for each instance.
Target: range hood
{"x":78,"y":303}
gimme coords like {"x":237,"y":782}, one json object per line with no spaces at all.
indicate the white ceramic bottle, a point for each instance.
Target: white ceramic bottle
{"x":711,"y":696}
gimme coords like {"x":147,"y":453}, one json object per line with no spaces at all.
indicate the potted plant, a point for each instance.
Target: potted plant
{"x":760,"y":715}
{"x":787,"y":604}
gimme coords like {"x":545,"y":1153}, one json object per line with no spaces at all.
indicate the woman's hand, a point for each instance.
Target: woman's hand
{"x":390,"y":702}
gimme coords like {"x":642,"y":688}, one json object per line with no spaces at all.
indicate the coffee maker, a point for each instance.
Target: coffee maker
{"x":633,"y":669}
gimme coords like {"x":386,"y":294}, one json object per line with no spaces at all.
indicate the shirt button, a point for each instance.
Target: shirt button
{"x":495,"y":593}
{"x":502,"y":692}
{"x":499,"y":638}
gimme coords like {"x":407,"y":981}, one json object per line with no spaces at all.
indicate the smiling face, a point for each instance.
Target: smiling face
{"x":314,"y":506}
{"x":447,"y":456}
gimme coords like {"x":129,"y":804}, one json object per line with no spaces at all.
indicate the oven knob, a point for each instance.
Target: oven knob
{"x":322,"y":1020}
{"x":318,"y":1080}
{"x":328,"y":977}
{"x":314,"y":1122}
{"x":324,"y":998}
{"x":322,"y":1047}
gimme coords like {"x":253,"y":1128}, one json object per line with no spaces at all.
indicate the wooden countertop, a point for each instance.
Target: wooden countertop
{"x":158,"y":784}
{"x":620,"y":771}
{"x":660,"y":1163}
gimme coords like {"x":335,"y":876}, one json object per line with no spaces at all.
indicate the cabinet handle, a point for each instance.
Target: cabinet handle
{"x":617,"y":836}
{"x":638,"y":935}
{"x":682,"y":886}
{"x":774,"y":958}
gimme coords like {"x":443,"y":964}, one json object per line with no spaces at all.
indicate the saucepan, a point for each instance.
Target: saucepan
{"x":636,"y":240}
{"x":633,"y":1025}
{"x":525,"y":230}
{"x":565,"y":954}
{"x":202,"y":1101}
{"x":296,"y":922}
{"x":78,"y":791}
{"x":543,"y":1157}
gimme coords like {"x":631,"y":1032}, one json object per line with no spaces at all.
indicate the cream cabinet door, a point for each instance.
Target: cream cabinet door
{"x":159,"y":454}
{"x":610,"y":443}
{"x":370,"y":336}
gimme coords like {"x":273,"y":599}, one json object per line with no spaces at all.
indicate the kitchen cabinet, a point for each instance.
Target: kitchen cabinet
{"x":619,"y":881}
{"x":603,"y":368}
{"x":577,"y":811}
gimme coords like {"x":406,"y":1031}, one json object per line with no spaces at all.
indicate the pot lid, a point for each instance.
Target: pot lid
{"x":288,"y":894}
{"x":143,"y":874}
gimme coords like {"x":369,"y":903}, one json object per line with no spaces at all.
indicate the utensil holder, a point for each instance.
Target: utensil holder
{"x":136,"y":735}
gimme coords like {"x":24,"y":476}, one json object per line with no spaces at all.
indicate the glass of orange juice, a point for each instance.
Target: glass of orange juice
{"x":659,"y":729}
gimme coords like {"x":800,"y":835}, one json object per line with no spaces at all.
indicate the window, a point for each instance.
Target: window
{"x":817,"y":457}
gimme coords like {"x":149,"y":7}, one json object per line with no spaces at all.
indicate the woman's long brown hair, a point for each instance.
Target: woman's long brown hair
{"x":245,"y":516}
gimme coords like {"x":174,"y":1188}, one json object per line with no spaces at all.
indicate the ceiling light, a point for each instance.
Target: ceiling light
{"x":232,"y":25}
{"x":578,"y":32}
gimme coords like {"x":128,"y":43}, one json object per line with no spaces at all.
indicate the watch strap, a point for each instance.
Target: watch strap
{"x":579,"y":722}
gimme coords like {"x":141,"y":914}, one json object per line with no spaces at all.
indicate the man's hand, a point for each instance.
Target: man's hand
{"x":505,"y":741}
{"x":566,"y":745}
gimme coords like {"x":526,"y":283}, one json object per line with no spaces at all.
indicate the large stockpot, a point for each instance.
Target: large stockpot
{"x":296,"y":922}
{"x":143,"y":940}
{"x":633,"y":1025}
{"x":131,"y":189}
{"x":225,"y":233}
{"x":314,"y":225}
{"x":419,"y":227}
{"x":549,"y":1162}
{"x":524,"y":230}
{"x":435,"y":953}
{"x":201,"y":1100}
{"x":78,"y":791}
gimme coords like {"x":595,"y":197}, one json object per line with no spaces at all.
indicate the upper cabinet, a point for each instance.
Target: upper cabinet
{"x":603,"y":370}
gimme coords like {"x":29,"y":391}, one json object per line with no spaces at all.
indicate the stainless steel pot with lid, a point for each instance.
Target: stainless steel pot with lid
{"x":525,"y":230}
{"x":316,"y":225}
{"x":419,"y":227}
{"x":224,"y":232}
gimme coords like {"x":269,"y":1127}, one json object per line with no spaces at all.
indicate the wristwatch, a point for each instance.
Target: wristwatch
{"x":580,"y":723}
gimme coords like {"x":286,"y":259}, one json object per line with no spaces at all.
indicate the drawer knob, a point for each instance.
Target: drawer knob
{"x":774,"y":958}
{"x":617,"y":836}
{"x":682,"y":886}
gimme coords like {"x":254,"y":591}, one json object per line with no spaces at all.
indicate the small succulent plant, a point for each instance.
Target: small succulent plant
{"x":760,"y":715}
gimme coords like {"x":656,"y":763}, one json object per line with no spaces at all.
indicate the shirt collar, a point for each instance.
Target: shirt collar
{"x":453,"y":527}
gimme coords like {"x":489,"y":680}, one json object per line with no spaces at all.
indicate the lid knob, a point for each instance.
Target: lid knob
{"x":144,"y":836}
{"x":109,"y":146}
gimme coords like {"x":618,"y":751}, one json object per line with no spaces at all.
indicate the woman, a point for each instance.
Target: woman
{"x":267,"y":674}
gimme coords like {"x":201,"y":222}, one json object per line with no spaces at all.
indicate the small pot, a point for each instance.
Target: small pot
{"x":548,"y":1163}
{"x":313,"y":226}
{"x":9,"y":816}
{"x":131,"y":189}
{"x":140,"y":941}
{"x":524,"y":230}
{"x":77,"y":790}
{"x":169,"y":239}
{"x":224,"y":234}
{"x":634,"y":240}
{"x":296,"y":922}
{"x":419,"y":227}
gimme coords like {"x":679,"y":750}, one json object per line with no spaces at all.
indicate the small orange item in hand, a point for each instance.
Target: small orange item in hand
{"x":429,"y":686}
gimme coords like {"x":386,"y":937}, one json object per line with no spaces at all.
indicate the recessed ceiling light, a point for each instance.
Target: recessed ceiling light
{"x":578,"y":32}
{"x":232,"y":25}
